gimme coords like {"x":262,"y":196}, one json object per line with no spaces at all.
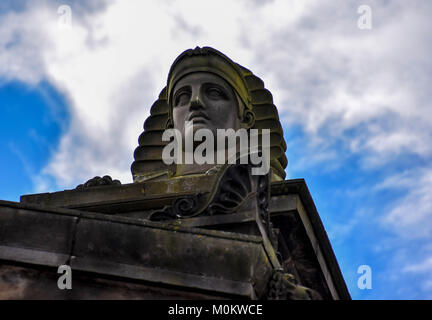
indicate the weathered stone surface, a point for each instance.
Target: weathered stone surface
{"x":123,"y":198}
{"x":303,"y":247}
{"x":40,"y":283}
{"x":203,"y":260}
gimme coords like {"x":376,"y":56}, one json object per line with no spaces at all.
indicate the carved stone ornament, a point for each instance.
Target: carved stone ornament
{"x":98,"y":181}
{"x":235,"y":187}
{"x":283,"y":286}
{"x":257,"y":101}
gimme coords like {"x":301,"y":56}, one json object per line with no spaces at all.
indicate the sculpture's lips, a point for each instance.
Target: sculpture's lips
{"x":198,"y":117}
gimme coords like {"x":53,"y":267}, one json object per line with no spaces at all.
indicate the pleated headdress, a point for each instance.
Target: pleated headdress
{"x":255,"y":97}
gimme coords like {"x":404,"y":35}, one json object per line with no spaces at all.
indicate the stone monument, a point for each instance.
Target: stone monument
{"x":209,"y":214}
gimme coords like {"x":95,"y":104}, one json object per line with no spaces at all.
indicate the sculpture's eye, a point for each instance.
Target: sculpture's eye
{"x":182,"y":97}
{"x":215,"y":93}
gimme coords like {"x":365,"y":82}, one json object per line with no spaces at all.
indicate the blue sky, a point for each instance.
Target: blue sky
{"x":32,"y":121}
{"x":354,"y":104}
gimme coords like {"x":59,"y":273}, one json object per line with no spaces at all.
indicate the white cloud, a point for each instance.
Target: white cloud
{"x":331,"y":77}
{"x":20,"y":57}
{"x":424,"y":266}
{"x":411,"y":216}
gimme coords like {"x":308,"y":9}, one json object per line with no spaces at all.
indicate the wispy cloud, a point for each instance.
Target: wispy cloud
{"x":333,"y":78}
{"x":424,"y":266}
{"x":411,"y":216}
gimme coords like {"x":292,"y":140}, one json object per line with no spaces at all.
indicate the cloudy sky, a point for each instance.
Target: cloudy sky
{"x":354,"y":103}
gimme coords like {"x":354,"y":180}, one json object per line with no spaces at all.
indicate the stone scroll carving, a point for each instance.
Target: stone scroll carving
{"x":234,"y":187}
{"x":283,"y":286}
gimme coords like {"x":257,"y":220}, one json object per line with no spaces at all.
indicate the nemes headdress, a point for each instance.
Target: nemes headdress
{"x":248,"y":87}
{"x":208,"y":60}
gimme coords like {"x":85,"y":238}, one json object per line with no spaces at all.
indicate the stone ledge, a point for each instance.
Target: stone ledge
{"x":217,"y":261}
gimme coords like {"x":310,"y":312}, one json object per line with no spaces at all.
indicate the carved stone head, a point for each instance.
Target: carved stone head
{"x":207,"y":101}
{"x":206,"y":80}
{"x":207,"y":88}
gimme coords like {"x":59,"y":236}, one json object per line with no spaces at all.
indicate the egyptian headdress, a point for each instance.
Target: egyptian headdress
{"x":255,"y":98}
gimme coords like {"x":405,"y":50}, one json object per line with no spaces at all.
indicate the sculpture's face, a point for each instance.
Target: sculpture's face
{"x":207,"y":100}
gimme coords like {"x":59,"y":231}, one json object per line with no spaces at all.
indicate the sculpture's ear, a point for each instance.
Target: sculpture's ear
{"x":247,"y":117}
{"x":248,"y":120}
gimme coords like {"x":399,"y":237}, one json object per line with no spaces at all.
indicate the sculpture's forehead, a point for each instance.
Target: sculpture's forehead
{"x":197,"y":78}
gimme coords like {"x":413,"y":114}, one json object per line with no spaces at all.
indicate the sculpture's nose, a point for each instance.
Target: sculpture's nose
{"x":196,"y":101}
